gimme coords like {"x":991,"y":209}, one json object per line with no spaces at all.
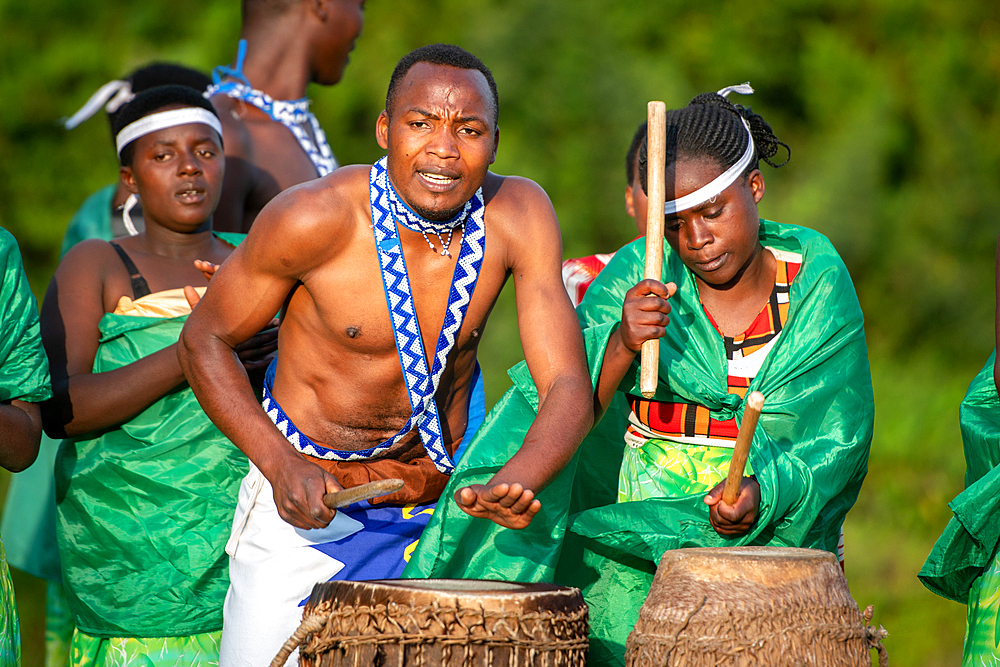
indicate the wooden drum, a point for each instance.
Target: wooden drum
{"x":751,"y":606}
{"x":447,"y":622}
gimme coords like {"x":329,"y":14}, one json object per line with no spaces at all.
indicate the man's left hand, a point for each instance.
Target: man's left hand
{"x":509,"y":505}
{"x":736,"y":519}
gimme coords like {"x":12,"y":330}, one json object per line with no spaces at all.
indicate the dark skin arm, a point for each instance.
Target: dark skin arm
{"x":553,"y":349}
{"x":84,"y":288}
{"x":645,"y":316}
{"x":20,"y":433}
{"x":251,"y":286}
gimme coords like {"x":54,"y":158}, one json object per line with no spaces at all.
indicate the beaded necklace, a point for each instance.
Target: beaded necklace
{"x":293,"y":114}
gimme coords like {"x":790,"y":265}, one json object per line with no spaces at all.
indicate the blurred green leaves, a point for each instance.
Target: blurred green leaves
{"x":890,"y":108}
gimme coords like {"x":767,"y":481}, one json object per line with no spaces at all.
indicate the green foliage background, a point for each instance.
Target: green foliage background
{"x":890,"y":107}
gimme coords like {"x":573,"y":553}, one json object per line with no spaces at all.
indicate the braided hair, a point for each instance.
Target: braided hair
{"x":638,"y":140}
{"x":710,"y":127}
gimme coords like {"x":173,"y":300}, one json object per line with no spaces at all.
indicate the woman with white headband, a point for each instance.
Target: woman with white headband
{"x":28,"y":523}
{"x":745,"y":304}
{"x":146,"y":485}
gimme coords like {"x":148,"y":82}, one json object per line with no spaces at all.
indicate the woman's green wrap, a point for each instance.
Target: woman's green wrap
{"x":145,"y":509}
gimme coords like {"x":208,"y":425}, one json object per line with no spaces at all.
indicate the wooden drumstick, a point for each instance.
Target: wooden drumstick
{"x":345,"y":497}
{"x":751,"y":413}
{"x":656,"y":141}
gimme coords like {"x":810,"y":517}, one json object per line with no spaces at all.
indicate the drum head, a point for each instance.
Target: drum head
{"x":487,"y":594}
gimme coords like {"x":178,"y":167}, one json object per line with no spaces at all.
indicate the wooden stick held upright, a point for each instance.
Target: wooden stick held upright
{"x":751,"y":413}
{"x":656,"y":150}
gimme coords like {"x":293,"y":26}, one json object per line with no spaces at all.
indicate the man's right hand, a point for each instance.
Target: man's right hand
{"x":299,"y":487}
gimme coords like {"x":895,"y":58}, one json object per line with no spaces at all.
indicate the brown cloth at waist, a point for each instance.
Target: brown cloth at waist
{"x":423,"y":483}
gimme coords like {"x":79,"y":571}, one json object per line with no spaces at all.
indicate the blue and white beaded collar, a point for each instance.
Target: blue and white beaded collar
{"x":421,"y":383}
{"x":293,"y":114}
{"x":412,"y":220}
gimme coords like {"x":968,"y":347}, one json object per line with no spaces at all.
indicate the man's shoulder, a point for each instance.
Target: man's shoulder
{"x":245,"y":128}
{"x":500,"y":189}
{"x":516,"y":199}
{"x":346,"y":187}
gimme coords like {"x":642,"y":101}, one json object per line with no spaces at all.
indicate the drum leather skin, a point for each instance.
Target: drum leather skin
{"x":430,"y":622}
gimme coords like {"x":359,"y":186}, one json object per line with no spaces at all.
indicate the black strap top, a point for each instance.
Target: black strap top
{"x":139,"y":286}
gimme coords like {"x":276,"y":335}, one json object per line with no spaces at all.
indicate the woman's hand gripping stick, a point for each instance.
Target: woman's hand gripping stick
{"x":751,"y":413}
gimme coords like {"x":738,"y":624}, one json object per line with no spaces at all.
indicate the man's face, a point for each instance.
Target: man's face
{"x":440,"y":138}
{"x":342,"y":27}
{"x":717,"y":239}
{"x":177,"y":173}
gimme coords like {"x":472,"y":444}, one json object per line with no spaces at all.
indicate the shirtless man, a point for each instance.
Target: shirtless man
{"x":272,"y":139}
{"x":337,"y":390}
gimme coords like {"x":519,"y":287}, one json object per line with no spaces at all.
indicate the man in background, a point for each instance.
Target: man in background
{"x":272,"y":140}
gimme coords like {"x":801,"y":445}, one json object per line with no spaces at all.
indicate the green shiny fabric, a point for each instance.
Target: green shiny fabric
{"x":201,"y":650}
{"x":24,"y":368}
{"x":965,"y":563}
{"x":145,"y":509}
{"x":28,"y":525}
{"x":58,"y":623}
{"x":809,"y":453}
{"x":92,"y":220}
{"x":30,"y":530}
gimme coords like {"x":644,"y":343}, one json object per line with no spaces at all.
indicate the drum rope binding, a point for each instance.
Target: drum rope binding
{"x":456,"y":632}
{"x":875,"y":636}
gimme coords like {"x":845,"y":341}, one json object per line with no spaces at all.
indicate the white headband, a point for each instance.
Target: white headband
{"x":160,"y":121}
{"x":706,"y":192}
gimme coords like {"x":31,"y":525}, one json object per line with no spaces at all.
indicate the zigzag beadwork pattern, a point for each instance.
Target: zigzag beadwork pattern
{"x":293,"y":114}
{"x":421,"y":384}
{"x":301,"y":441}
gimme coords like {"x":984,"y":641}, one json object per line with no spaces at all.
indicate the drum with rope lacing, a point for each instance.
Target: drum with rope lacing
{"x":446,"y":622}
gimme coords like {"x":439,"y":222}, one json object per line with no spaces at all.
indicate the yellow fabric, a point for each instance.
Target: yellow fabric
{"x":168,"y":303}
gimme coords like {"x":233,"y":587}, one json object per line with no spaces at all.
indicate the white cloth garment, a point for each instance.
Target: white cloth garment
{"x":272,"y":567}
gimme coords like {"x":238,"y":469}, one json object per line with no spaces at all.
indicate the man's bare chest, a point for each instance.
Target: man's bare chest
{"x":359,"y":308}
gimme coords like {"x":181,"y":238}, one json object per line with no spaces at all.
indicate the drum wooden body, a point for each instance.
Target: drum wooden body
{"x":431,"y":622}
{"x":750,"y":606}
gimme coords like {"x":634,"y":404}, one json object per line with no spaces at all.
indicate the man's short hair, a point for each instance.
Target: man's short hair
{"x":150,"y":101}
{"x":441,"y":54}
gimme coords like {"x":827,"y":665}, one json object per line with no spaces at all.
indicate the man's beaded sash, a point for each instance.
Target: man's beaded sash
{"x":420,"y":384}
